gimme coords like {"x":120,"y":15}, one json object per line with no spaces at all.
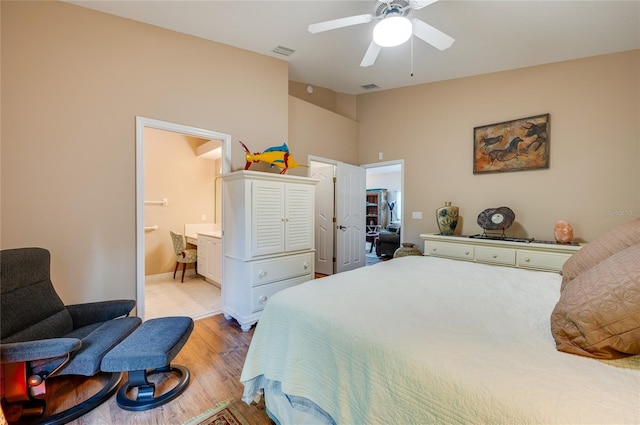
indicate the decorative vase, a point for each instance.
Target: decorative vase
{"x":447,"y":218}
{"x":563,"y":232}
{"x":406,"y":249}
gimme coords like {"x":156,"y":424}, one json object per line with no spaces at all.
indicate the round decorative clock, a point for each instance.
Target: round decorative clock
{"x":500,"y":218}
{"x":497,"y":218}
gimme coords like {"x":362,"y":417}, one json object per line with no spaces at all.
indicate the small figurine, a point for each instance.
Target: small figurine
{"x":275,"y":156}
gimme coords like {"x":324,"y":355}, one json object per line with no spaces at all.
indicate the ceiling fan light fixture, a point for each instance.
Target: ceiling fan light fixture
{"x":392,"y":31}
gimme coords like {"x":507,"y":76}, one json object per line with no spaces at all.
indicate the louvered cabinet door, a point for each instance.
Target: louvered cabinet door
{"x":299,"y":215}
{"x":267,"y":218}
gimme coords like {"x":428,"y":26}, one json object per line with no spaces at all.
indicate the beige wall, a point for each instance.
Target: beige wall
{"x":173,"y":171}
{"x":594,"y":145}
{"x":316,"y":131}
{"x":73,"y":81}
{"x":340,"y":103}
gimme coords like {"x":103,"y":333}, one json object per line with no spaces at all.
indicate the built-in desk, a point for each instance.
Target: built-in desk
{"x":208,"y":238}
{"x":191,"y":231}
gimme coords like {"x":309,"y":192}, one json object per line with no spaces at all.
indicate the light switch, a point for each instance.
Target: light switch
{"x":416,"y":215}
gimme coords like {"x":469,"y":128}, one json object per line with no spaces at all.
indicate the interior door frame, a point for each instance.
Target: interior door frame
{"x":141,"y":123}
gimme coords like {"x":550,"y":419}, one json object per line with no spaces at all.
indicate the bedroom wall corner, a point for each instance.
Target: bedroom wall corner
{"x":314,"y":130}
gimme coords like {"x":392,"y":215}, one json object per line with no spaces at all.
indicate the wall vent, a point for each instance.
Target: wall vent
{"x":285,"y":51}
{"x":370,"y":86}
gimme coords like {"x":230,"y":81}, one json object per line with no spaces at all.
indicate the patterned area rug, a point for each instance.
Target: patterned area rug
{"x":222,"y":413}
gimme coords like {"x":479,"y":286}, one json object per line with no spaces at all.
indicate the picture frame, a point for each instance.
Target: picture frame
{"x":516,"y":145}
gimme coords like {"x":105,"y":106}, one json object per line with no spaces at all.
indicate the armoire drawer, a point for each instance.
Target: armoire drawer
{"x":449,"y":250}
{"x":261,"y":294}
{"x":274,"y":269}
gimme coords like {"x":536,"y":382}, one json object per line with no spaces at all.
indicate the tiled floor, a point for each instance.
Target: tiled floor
{"x":195,"y":297}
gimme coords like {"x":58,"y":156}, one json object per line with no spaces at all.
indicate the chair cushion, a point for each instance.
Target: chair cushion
{"x":97,"y":340}
{"x":152,"y":345}
{"x":191,"y":256}
{"x":25,"y":282}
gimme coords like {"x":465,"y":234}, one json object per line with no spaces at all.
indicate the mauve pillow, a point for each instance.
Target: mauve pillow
{"x":598,"y":315}
{"x":602,"y":247}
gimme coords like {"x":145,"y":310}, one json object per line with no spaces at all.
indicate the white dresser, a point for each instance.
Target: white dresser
{"x":268,"y":222}
{"x":527,"y":255}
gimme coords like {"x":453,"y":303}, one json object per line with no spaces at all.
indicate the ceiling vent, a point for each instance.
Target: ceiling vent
{"x":370,"y":86}
{"x":285,"y":51}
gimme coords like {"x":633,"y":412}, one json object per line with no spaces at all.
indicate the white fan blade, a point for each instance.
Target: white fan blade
{"x":431,"y":35}
{"x":340,"y":23}
{"x":419,"y":4}
{"x":372,"y":54}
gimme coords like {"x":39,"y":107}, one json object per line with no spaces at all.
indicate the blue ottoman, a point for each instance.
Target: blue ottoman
{"x":147,"y":351}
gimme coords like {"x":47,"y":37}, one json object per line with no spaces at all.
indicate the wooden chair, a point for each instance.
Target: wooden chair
{"x":372,"y":234}
{"x":183,"y":255}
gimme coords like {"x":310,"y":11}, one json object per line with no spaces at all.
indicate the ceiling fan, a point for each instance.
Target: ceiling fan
{"x":393,"y":28}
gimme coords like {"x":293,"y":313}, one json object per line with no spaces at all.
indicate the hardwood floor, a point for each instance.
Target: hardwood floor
{"x":214,"y":354}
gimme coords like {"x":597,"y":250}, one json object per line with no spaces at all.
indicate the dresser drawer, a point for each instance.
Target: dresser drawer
{"x":541,"y":260}
{"x":261,"y":294}
{"x":449,"y":250}
{"x":500,"y":256}
{"x":266,"y":271}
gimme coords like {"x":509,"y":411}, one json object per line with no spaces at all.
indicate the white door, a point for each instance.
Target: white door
{"x":350,"y":217}
{"x":324,"y":218}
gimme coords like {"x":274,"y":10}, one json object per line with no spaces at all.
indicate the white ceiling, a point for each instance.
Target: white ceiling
{"x":490,"y":35}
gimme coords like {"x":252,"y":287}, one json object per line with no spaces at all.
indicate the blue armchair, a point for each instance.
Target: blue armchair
{"x":388,"y":241}
{"x":42,"y":338}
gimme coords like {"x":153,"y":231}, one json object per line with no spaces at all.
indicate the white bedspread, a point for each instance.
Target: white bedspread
{"x":423,"y":340}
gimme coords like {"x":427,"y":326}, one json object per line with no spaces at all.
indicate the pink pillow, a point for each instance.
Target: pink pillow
{"x":602,"y":247}
{"x":598,"y":314}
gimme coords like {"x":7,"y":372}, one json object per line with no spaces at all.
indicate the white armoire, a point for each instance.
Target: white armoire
{"x":268,"y":243}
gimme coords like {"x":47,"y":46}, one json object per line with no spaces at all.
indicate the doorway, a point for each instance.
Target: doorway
{"x":385,"y":180}
{"x":141,"y":124}
{"x":329,"y":257}
{"x":339,"y":215}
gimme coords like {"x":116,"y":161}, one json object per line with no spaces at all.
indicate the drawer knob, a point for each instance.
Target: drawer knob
{"x":306,"y":266}
{"x":494,"y":256}
{"x":466,"y":253}
{"x":527,"y":259}
{"x":262,"y":273}
{"x":263,"y":299}
{"x":434,"y":249}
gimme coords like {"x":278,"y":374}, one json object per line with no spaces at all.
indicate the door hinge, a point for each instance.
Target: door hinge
{"x":335,"y":179}
{"x":334,"y":219}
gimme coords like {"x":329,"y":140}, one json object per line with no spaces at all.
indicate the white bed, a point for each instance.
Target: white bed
{"x":424,"y":340}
